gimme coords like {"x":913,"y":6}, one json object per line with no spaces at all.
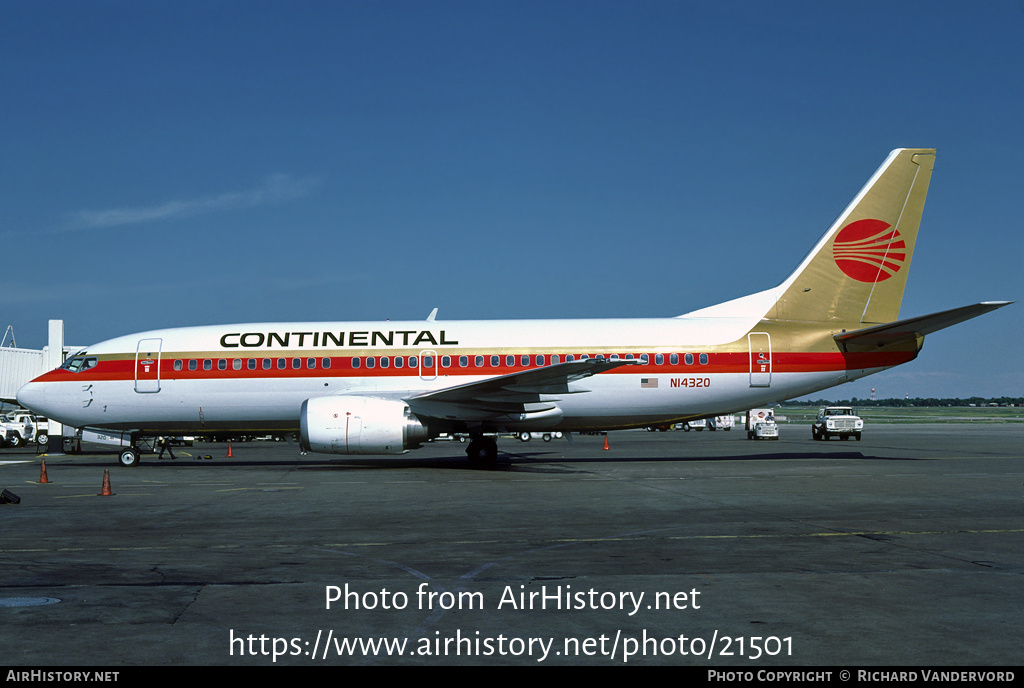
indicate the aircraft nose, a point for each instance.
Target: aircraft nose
{"x":33,"y":397}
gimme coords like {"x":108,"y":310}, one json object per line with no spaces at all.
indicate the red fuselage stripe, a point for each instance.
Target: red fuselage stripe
{"x":341,"y":366}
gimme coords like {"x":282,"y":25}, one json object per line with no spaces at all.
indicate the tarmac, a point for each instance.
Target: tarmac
{"x":688,"y":549}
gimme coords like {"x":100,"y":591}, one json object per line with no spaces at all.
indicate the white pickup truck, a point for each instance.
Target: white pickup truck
{"x":21,"y":427}
{"x":837,"y":421}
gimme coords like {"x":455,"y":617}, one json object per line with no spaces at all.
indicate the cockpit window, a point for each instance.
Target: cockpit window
{"x":77,"y":364}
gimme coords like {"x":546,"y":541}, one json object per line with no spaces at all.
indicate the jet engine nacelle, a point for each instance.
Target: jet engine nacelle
{"x":358,"y":425}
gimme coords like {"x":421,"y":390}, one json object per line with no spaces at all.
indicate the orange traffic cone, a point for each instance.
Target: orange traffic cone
{"x":42,"y":473}
{"x":606,"y":442}
{"x":229,"y":450}
{"x":105,"y":492}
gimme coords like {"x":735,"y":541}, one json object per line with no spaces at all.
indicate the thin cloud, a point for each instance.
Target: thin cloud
{"x":277,"y":188}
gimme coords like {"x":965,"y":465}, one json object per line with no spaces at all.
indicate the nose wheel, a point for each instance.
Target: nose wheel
{"x":129,"y":457}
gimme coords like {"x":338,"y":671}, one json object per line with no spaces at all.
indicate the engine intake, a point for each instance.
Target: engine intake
{"x":359,"y":425}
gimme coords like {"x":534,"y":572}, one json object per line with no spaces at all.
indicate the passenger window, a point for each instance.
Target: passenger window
{"x":266,"y":364}
{"x":371,"y":362}
{"x":539,"y":360}
{"x":310,"y":363}
{"x":413,"y":362}
{"x":236,"y":364}
{"x":193,"y":364}
{"x":446,"y":361}
{"x":478,"y":361}
{"x":524,"y":360}
{"x":463,"y":361}
{"x":495,"y":361}
{"x":688,"y":359}
{"x":569,"y":358}
{"x":296,"y":363}
{"x":673,"y":359}
{"x":251,"y":364}
{"x":703,"y":359}
{"x":554,"y":359}
{"x":385,"y":362}
{"x":282,"y":364}
{"x":659,"y":359}
{"x":178,"y":365}
{"x":645,"y":359}
{"x":207,"y":364}
{"x":399,"y":361}
{"x":356,"y":362}
{"x":510,"y":361}
{"x":326,"y":363}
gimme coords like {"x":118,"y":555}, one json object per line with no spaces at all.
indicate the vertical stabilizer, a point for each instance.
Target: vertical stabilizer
{"x":858,"y":270}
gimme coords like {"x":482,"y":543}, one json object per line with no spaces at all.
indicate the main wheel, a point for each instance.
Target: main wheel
{"x":483,"y":451}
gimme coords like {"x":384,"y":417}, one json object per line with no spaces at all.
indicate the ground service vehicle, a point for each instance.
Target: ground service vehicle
{"x":546,"y":436}
{"x":837,"y":421}
{"x":761,"y":425}
{"x":21,"y":427}
{"x":726,"y":422}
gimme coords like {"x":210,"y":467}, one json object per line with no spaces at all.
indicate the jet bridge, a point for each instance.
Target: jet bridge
{"x":18,"y":366}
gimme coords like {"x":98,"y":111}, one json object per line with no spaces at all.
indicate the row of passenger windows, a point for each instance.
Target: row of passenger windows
{"x":256,"y":363}
{"x":493,"y":361}
{"x":510,"y":361}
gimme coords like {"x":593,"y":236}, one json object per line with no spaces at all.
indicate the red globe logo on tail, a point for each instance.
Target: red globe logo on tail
{"x":869,"y":250}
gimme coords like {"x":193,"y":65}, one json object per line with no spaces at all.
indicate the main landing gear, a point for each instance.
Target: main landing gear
{"x":482,"y":451}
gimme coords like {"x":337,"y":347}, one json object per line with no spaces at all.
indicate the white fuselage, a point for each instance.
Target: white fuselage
{"x":256,"y":376}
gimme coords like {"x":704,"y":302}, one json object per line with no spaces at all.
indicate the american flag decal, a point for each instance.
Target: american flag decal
{"x":649,"y":383}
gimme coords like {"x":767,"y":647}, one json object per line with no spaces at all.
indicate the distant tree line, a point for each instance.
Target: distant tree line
{"x":914,"y":401}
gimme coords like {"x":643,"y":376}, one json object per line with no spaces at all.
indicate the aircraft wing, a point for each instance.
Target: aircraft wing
{"x":871,"y":338}
{"x":529,"y":392}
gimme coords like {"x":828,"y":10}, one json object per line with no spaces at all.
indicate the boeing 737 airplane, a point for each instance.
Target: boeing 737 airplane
{"x":386,"y":387}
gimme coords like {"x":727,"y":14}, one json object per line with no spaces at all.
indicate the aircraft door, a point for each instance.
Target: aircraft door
{"x":760,"y":359}
{"x":428,"y":365}
{"x":147,"y":366}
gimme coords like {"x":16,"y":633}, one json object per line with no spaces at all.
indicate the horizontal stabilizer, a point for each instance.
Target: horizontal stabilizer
{"x":907,"y":330}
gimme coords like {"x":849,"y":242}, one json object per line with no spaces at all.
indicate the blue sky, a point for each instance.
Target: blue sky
{"x":179,"y":163}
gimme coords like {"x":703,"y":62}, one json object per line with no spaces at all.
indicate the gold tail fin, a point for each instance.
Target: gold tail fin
{"x":857,"y":272}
